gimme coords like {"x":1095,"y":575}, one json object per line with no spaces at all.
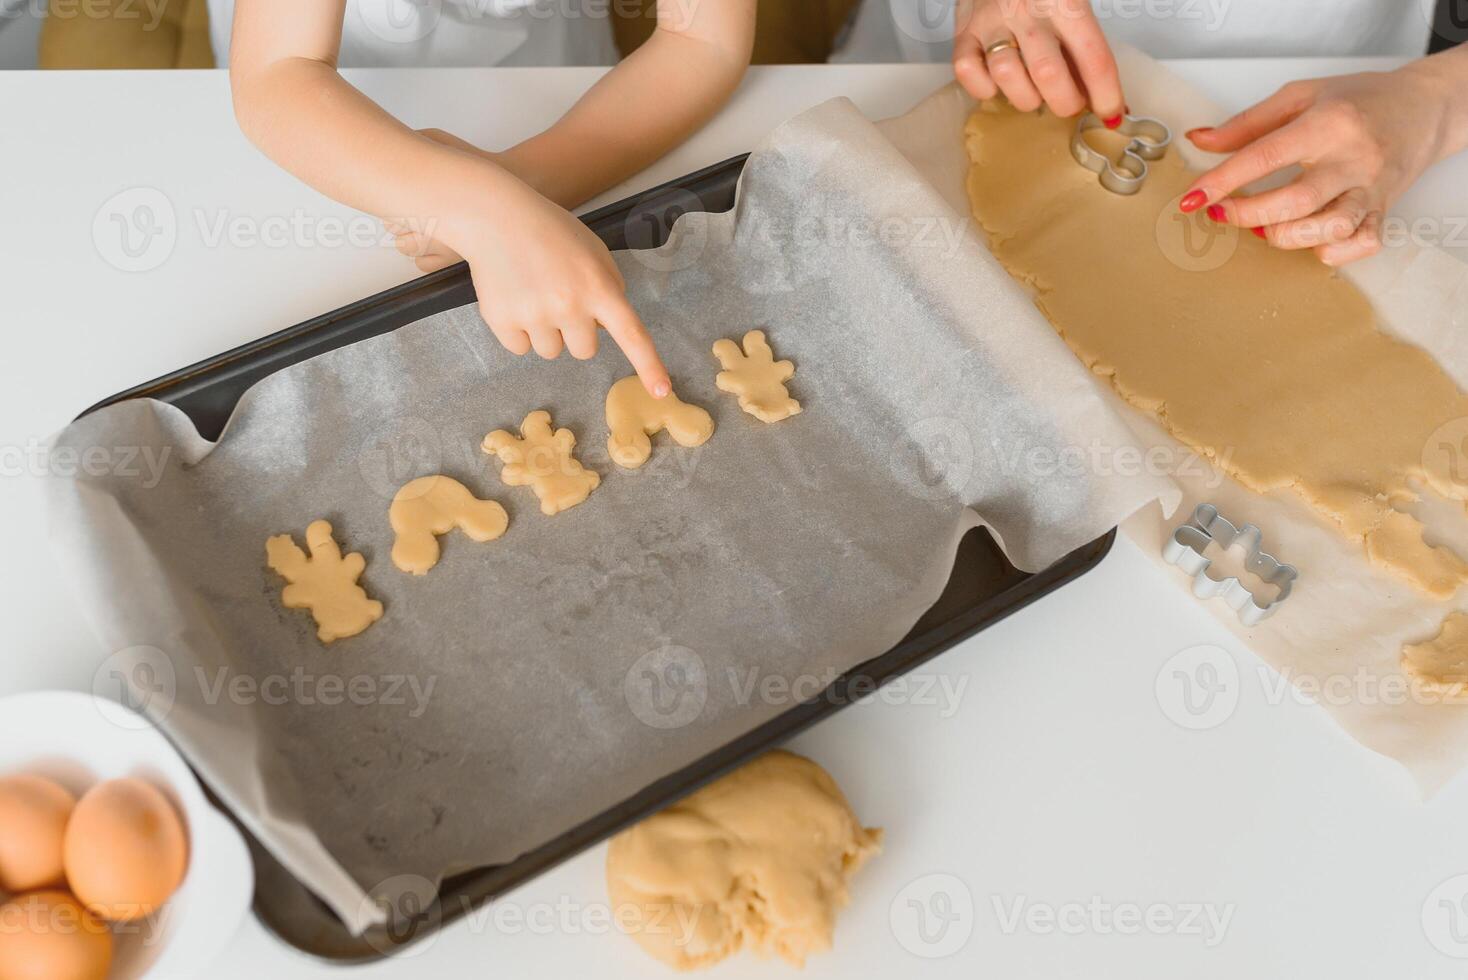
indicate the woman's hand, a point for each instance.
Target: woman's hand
{"x":1361,"y":141}
{"x":1035,"y":69}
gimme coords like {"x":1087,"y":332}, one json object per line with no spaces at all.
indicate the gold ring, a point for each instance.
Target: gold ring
{"x":999,"y":46}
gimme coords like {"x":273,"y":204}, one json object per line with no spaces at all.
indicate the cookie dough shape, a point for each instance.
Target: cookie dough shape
{"x":760,"y":858}
{"x":433,"y":505}
{"x":634,"y":416}
{"x":325,"y":583}
{"x":1263,"y":360}
{"x":541,"y":459}
{"x":1440,"y":665}
{"x":756,"y":377}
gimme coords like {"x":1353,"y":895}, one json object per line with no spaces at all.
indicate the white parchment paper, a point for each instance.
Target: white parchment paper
{"x":526,"y":684}
{"x":1337,"y":642}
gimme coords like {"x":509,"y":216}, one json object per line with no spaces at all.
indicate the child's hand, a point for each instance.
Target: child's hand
{"x":428,"y":253}
{"x":1361,"y":140}
{"x":544,"y":280}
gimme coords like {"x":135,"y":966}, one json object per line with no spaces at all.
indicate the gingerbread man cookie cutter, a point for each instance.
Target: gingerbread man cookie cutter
{"x":1186,"y":548}
{"x":1150,"y":139}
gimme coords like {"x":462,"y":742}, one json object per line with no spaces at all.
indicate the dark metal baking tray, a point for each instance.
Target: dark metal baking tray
{"x":982,"y":589}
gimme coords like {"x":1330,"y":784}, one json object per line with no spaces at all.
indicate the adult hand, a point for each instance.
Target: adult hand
{"x":1360,"y":141}
{"x":1037,"y":52}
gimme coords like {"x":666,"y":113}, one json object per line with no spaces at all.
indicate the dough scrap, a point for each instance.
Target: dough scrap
{"x":759,"y":858}
{"x":756,"y":377}
{"x":432,"y":505}
{"x":634,"y":416}
{"x":325,"y":583}
{"x":1263,"y":360}
{"x":1440,"y":665}
{"x":542,"y":460}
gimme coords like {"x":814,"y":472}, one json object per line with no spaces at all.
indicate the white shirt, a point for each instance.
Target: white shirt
{"x":458,"y":33}
{"x":921,"y":30}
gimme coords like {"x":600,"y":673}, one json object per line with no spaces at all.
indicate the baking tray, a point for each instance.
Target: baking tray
{"x":982,"y":589}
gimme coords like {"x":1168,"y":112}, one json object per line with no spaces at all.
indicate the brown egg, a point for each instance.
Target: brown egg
{"x":126,"y":850}
{"x":49,"y":936}
{"x":33,"y":815}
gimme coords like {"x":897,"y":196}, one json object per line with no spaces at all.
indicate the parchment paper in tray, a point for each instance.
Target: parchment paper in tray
{"x":504,"y":697}
{"x":1338,"y":640}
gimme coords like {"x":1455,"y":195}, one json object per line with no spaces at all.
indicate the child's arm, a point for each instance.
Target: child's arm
{"x":671,"y":85}
{"x":542,"y":278}
{"x":654,"y":100}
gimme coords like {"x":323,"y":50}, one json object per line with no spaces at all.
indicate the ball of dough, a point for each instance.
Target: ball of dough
{"x":49,"y":936}
{"x":126,"y":850}
{"x":759,"y":858}
{"x":33,"y":815}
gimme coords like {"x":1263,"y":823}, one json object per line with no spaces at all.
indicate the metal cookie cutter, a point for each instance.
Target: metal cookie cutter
{"x":1188,"y":543}
{"x":1150,"y":140}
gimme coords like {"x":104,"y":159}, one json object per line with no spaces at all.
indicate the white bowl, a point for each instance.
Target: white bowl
{"x":78,"y":740}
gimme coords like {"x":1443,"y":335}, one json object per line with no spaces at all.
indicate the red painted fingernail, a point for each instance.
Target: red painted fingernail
{"x":1112,"y":123}
{"x":1192,"y":202}
{"x":1215,"y":212}
{"x":1193,"y":134}
{"x":1260,"y":233}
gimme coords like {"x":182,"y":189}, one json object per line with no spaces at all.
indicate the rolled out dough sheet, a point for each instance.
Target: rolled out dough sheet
{"x":1264,"y":361}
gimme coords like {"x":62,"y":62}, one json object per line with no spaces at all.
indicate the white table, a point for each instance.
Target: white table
{"x":1056,"y":785}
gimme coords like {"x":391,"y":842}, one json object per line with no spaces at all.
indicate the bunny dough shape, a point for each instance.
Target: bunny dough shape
{"x":542,"y":460}
{"x":634,"y":417}
{"x":434,"y":505}
{"x":756,"y":377}
{"x":325,"y":583}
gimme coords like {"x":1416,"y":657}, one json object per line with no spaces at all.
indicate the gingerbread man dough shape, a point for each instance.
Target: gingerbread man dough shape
{"x":756,"y":377}
{"x":542,"y":460}
{"x":325,"y":583}
{"x":434,"y":505}
{"x":634,"y":417}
